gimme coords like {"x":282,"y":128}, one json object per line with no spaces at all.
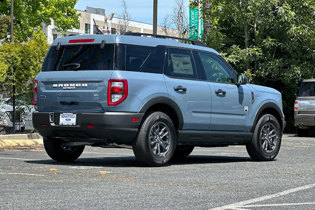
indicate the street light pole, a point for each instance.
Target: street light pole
{"x":155,"y":5}
{"x":11,"y":40}
{"x":12,"y":20}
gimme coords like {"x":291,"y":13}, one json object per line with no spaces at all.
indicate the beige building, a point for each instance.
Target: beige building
{"x":108,"y":24}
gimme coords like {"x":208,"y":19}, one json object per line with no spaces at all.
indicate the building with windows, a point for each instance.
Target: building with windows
{"x":92,"y":19}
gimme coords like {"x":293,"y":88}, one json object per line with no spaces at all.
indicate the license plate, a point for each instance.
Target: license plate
{"x":68,"y":119}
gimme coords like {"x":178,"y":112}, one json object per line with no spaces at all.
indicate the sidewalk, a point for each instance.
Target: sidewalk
{"x":21,"y":141}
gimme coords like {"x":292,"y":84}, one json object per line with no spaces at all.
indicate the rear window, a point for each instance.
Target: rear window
{"x":79,"y":57}
{"x":307,"y":89}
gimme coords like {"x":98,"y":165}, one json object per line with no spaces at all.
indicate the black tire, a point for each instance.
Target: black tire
{"x":57,"y":151}
{"x":303,"y":132}
{"x":182,"y":152}
{"x":156,"y":141}
{"x":266,"y":141}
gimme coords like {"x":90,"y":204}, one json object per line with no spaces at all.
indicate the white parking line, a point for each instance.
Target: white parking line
{"x":24,"y":174}
{"x":243,"y":204}
{"x":281,"y":204}
{"x":86,"y":167}
{"x":23,"y":159}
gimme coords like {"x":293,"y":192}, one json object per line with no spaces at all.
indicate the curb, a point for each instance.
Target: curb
{"x":21,"y":141}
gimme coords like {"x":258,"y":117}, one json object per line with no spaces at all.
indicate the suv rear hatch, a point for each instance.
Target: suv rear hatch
{"x":74,"y":77}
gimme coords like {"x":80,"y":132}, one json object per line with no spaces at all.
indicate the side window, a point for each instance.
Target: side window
{"x":155,"y":62}
{"x":215,"y":69}
{"x":131,"y":57}
{"x":180,"y":64}
{"x":136,"y":56}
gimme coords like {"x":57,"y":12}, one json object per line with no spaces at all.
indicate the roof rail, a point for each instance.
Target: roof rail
{"x":193,"y":42}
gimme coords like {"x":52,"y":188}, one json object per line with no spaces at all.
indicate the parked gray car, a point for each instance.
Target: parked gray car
{"x":156,"y":94}
{"x":304,"y":108}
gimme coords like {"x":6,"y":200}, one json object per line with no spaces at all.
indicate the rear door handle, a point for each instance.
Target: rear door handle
{"x":220,"y":92}
{"x":180,"y":88}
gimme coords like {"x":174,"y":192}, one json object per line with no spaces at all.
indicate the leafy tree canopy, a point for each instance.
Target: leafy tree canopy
{"x":4,"y":26}
{"x":273,"y":41}
{"x":30,"y":14}
{"x":20,"y":63}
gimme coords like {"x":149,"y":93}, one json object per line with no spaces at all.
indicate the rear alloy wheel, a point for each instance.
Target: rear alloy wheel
{"x":156,"y":141}
{"x":57,"y":150}
{"x":266,"y":140}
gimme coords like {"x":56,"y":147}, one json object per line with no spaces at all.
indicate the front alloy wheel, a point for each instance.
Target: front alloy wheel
{"x":266,"y":140}
{"x":269,"y":138}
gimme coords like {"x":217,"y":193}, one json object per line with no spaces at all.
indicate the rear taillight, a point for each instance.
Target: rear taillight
{"x":117,"y":91}
{"x":35,"y":92}
{"x":296,"y":105}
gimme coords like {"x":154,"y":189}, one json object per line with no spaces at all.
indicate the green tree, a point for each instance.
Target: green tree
{"x":273,"y":42}
{"x":20,"y":62}
{"x":4,"y":26}
{"x":29,"y":15}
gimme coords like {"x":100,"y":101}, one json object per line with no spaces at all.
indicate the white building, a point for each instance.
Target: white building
{"x":108,"y":24}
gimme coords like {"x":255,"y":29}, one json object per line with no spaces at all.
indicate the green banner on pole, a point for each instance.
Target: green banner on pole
{"x":194,"y":24}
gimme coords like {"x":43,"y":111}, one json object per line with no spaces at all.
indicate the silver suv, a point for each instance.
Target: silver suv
{"x":304,"y":108}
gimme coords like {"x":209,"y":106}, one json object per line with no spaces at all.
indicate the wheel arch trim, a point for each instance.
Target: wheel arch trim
{"x":168,"y":102}
{"x":268,"y":106}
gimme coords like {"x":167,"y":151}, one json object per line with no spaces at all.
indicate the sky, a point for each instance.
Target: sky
{"x":139,"y":10}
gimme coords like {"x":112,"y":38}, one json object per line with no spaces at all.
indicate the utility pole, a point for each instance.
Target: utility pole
{"x":11,"y":40}
{"x":155,"y":6}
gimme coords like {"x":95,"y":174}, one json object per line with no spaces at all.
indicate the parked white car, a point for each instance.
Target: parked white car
{"x":23,"y":121}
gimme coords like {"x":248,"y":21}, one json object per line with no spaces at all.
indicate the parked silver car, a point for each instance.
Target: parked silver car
{"x":304,"y":108}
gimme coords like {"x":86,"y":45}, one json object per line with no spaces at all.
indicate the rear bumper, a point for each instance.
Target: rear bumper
{"x":304,"y":120}
{"x":117,"y":127}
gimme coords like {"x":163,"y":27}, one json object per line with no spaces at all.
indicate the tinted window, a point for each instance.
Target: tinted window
{"x":154,"y":64}
{"x":215,"y":69}
{"x":180,"y":64}
{"x":307,"y":89}
{"x":132,"y":57}
{"x":79,"y":57}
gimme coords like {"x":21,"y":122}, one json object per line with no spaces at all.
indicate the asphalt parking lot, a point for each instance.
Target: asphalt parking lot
{"x":210,"y":178}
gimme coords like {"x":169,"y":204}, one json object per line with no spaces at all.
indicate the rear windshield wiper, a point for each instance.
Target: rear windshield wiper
{"x":74,"y":66}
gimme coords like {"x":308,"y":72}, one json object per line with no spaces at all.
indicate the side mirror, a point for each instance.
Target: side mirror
{"x":241,"y":79}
